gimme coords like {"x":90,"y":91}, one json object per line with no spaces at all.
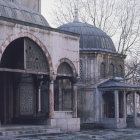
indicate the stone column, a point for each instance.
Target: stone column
{"x":39,"y":99}
{"x":75,"y":101}
{"x":51,"y":99}
{"x":124,"y":105}
{"x":101,"y":105}
{"x":134,"y":107}
{"x":60,"y":94}
{"x":116,"y":98}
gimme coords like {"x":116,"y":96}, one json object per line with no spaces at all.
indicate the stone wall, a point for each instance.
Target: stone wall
{"x":108,"y":59}
{"x":89,"y":109}
{"x":87,"y":105}
{"x":90,"y":65}
{"x":31,"y":4}
{"x":88,"y":69}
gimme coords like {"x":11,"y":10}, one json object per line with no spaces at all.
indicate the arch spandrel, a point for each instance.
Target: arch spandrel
{"x":35,"y":59}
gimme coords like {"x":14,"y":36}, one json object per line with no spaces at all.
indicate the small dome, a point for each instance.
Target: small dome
{"x":20,"y":12}
{"x":91,"y":38}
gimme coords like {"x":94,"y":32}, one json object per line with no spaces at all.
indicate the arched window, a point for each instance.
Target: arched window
{"x":111,"y":70}
{"x":103,"y":70}
{"x":81,"y":70}
{"x":64,"y":69}
{"x":120,"y":71}
{"x":63,"y":95}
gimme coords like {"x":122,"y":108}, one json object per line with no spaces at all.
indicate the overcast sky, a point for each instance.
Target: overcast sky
{"x":46,"y":6}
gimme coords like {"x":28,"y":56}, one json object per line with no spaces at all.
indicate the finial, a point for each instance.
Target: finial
{"x":76,"y":12}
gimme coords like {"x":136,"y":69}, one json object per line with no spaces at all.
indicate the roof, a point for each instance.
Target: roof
{"x":21,"y":13}
{"x":91,"y":37}
{"x":113,"y":83}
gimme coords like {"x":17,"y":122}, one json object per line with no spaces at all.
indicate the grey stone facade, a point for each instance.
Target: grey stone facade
{"x":99,"y":63}
{"x":34,"y":5}
{"x":40,"y":66}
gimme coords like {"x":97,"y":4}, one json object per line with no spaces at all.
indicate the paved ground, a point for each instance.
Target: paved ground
{"x":120,"y":134}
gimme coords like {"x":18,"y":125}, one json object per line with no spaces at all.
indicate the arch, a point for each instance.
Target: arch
{"x":108,"y":104}
{"x":32,"y":37}
{"x":120,"y":71}
{"x":103,"y":70}
{"x":66,"y":77}
{"x":69,"y":62}
{"x":64,"y":69}
{"x":111,"y":70}
{"x":81,"y":69}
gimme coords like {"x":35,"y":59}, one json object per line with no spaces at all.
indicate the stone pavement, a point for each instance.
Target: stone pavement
{"x":104,"y":134}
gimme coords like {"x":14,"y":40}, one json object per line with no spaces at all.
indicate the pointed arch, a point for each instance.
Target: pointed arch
{"x":68,"y":63}
{"x":102,"y":70}
{"x":120,"y":71}
{"x":111,"y":70}
{"x":32,"y":37}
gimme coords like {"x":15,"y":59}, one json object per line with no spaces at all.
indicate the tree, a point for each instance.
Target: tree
{"x":118,"y":18}
{"x":132,"y":68}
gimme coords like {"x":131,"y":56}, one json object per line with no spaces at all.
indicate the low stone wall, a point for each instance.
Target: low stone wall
{"x":122,"y":123}
{"x":108,"y":123}
{"x":137,"y":122}
{"x":111,"y":123}
{"x":62,"y":114}
{"x":65,"y":124}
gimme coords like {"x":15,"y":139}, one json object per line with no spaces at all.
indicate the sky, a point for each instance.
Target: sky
{"x":46,"y":6}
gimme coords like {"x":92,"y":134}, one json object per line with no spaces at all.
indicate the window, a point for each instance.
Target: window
{"x":65,"y":69}
{"x":111,"y":70}
{"x":81,"y":69}
{"x":103,"y":70}
{"x":120,"y":71}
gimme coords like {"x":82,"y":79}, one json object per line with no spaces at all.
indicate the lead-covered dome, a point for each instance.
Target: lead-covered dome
{"x":91,"y":38}
{"x":19,"y":12}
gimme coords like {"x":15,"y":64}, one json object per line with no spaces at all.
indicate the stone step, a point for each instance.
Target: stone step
{"x":91,"y":126}
{"x":23,"y":127}
{"x":27,"y":131}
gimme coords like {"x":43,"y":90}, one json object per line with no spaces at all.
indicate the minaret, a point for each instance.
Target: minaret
{"x":76,"y":12}
{"x":31,"y":4}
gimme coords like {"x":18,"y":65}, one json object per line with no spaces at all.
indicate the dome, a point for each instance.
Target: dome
{"x":91,"y":38}
{"x":19,"y":12}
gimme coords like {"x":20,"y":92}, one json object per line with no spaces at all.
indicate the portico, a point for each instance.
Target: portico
{"x":32,"y":66}
{"x":113,"y":94}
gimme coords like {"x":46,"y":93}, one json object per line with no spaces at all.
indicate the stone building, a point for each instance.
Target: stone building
{"x":102,"y":92}
{"x":36,"y":63}
{"x":39,"y":68}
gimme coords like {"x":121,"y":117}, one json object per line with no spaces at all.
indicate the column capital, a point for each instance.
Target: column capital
{"x":74,"y":80}
{"x":116,"y":92}
{"x":53,"y":77}
{"x":75,"y":85}
{"x":124,"y":92}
